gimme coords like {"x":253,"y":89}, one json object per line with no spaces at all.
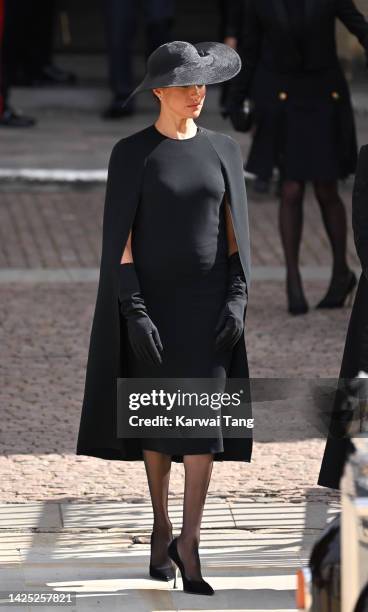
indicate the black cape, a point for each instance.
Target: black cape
{"x":107,"y":356}
{"x":355,"y":357}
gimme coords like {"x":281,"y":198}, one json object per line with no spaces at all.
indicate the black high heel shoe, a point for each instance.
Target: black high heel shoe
{"x":297,"y":304}
{"x":338,"y":292}
{"x":197,"y":587}
{"x":165,"y":573}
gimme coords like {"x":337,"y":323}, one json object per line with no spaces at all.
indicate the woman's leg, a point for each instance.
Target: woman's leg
{"x":291,"y":227}
{"x":158,"y":467}
{"x":343,"y":280}
{"x":334,"y":219}
{"x":198,"y":470}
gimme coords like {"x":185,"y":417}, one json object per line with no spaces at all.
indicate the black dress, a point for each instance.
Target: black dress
{"x":171,"y":194}
{"x":304,"y":118}
{"x":183,"y":280}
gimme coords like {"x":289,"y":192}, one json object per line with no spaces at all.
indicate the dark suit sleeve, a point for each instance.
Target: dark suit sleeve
{"x":354,"y":20}
{"x":233,"y":17}
{"x":360,"y":208}
{"x":249,"y":50}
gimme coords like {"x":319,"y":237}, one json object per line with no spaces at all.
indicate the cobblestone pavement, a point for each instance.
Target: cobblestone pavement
{"x":45,"y":331}
{"x":44,"y":336}
{"x":45,"y":326}
{"x":62,"y":229}
{"x":71,"y":135}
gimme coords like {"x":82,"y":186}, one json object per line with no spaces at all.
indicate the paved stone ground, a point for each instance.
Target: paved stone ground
{"x":249,"y":550}
{"x":44,"y":331}
{"x":71,"y":135}
{"x":61,"y":228}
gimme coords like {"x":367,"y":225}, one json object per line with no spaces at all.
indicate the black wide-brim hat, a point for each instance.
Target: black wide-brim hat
{"x":182,"y":63}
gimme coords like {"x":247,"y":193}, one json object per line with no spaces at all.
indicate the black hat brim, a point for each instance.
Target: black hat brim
{"x":218,"y":63}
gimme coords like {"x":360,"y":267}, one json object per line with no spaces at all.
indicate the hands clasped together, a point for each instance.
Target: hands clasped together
{"x":143,"y":334}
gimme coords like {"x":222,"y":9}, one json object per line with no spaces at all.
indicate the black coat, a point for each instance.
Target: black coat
{"x":107,"y":357}
{"x":355,"y":357}
{"x":267,"y":37}
{"x":302,"y":106}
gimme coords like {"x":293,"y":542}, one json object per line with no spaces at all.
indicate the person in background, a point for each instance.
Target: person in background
{"x":305,"y":121}
{"x":121,"y":25}
{"x":231,"y":18}
{"x":35,"y":66}
{"x":354,"y":366}
{"x":11,"y":19}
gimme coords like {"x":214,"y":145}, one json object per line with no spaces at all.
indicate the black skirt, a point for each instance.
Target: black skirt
{"x":304,"y":125}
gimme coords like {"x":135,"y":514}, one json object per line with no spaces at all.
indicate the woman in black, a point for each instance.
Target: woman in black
{"x":355,"y":357}
{"x":304,"y":121}
{"x":173,"y":288}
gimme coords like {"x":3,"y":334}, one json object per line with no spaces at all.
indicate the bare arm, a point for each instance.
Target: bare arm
{"x":354,"y":20}
{"x":230,"y":325}
{"x":127,"y":256}
{"x":231,"y":240}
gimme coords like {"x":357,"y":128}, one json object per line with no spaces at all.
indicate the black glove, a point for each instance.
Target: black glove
{"x":142,"y":332}
{"x":230,"y":325}
{"x":242,"y":117}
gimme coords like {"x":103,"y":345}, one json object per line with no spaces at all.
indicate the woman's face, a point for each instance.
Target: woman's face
{"x":185,"y":100}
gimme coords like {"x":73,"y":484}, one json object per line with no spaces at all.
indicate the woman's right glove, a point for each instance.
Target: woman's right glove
{"x":230,"y":325}
{"x":142,"y":332}
{"x":242,"y":117}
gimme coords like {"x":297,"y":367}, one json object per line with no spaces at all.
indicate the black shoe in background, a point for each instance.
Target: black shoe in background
{"x":297,"y":303}
{"x":341,"y":290}
{"x":53,"y":75}
{"x":10,"y":118}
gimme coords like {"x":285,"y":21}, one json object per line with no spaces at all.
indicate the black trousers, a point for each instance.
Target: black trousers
{"x":26,"y":40}
{"x":121,"y":25}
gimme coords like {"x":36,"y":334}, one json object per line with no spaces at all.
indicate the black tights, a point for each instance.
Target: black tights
{"x":198,"y":470}
{"x":291,"y":223}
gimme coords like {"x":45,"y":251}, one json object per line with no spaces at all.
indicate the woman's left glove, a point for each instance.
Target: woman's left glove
{"x":143,"y":334}
{"x":230,"y":325}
